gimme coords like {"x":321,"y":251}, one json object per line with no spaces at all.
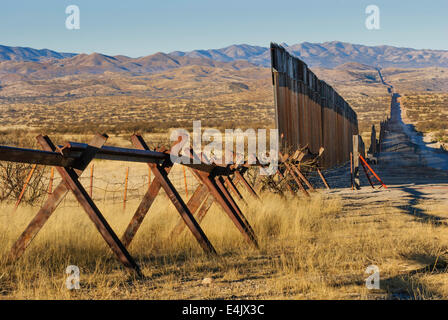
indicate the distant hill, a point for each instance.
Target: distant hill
{"x":231,"y":53}
{"x":97,"y":63}
{"x":331,"y":54}
{"x":325,"y":55}
{"x":30,"y":54}
{"x":355,"y":66}
{"x":354,"y":61}
{"x":18,"y":63}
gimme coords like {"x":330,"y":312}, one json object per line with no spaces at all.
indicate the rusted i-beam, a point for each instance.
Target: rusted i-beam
{"x":205,"y":207}
{"x":371,"y":170}
{"x":70,"y":177}
{"x":240,"y":178}
{"x":46,"y":210}
{"x":296,"y":179}
{"x":193,"y":204}
{"x":302,"y":177}
{"x":286,"y":181}
{"x":223,"y":200}
{"x":161,"y":175}
{"x":71,"y":182}
{"x":229,"y":183}
{"x":367,"y":175}
{"x":143,"y":208}
{"x":323,"y":179}
{"x":219,"y":181}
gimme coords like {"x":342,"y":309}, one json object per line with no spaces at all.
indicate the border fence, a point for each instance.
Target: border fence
{"x":121,"y":187}
{"x":215,"y":184}
{"x":309,"y":112}
{"x":317,"y":127}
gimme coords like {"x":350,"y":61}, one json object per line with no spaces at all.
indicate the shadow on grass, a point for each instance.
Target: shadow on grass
{"x":411,"y":209}
{"x":408,"y":286}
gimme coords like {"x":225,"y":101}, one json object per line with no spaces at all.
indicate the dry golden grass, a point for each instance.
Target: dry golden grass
{"x":153,"y":102}
{"x":172,"y":99}
{"x":431,"y":79}
{"x":309,"y":249}
{"x":129,"y":114}
{"x":428,"y":112}
{"x":219,"y":97}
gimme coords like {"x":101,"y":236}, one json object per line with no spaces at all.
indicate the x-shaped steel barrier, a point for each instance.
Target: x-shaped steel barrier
{"x":70,"y":182}
{"x":215,"y":186}
{"x":210,"y":187}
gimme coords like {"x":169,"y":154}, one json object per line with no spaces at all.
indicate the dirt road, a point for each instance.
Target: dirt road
{"x":415,"y":173}
{"x":417,"y":180}
{"x":404,"y":146}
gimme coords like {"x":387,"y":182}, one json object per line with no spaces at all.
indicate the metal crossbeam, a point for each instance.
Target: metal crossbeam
{"x":162,"y":181}
{"x":69,"y":156}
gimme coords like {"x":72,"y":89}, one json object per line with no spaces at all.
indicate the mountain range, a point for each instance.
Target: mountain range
{"x":330,"y":55}
{"x":325,"y":55}
{"x":27,"y":64}
{"x":96,"y":63}
{"x":30,"y":54}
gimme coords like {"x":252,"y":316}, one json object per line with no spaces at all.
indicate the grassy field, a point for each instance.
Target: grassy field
{"x":121,"y":104}
{"x":429,"y":113}
{"x":309,"y":249}
{"x":316,"y":248}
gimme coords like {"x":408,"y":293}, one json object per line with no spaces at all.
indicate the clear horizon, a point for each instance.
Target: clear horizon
{"x":289,"y":44}
{"x":139,"y":28}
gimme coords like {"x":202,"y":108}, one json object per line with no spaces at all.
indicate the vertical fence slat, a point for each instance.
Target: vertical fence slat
{"x":50,"y":183}
{"x":185,"y":182}
{"x":91,"y":181}
{"x":125,"y":188}
{"x":309,"y":112}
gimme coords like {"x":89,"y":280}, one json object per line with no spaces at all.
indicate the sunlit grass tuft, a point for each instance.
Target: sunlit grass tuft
{"x":309,"y":249}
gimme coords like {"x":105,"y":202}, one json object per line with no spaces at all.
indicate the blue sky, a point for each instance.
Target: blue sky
{"x":137,"y":27}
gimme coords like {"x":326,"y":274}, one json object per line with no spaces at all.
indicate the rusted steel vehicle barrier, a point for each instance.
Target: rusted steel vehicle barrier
{"x":71,"y":159}
{"x":311,"y":117}
{"x":217,"y":184}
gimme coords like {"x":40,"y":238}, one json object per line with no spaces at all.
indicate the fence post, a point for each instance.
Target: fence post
{"x":50,"y":184}
{"x":149,"y":177}
{"x":185,"y":182}
{"x":358,"y":149}
{"x":373,"y":141}
{"x":91,"y":181}
{"x":351,"y":170}
{"x":125,"y":188}
{"x":27,"y":180}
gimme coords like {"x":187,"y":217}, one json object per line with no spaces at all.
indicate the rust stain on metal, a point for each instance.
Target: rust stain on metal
{"x":309,"y":111}
{"x":161,"y":175}
{"x":47,"y":209}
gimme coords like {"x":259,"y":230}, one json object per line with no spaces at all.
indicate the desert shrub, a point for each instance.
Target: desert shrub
{"x":12,"y":180}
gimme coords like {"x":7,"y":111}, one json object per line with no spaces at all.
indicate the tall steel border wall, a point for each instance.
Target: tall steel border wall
{"x":309,"y":111}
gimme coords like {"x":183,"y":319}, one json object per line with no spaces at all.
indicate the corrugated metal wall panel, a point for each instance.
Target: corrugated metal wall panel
{"x":309,"y":111}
